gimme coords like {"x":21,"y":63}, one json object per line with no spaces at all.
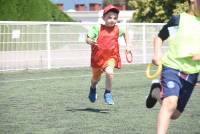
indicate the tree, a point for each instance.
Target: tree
{"x":30,"y":10}
{"x":156,"y":10}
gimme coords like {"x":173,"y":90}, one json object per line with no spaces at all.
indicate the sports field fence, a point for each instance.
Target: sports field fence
{"x":47,"y":45}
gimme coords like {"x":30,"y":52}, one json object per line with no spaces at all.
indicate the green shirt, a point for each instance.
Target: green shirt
{"x":183,"y":43}
{"x":94,"y":31}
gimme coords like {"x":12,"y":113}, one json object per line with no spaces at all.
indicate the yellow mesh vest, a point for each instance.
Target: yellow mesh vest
{"x":184,"y":41}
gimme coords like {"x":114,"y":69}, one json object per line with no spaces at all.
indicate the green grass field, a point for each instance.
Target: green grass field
{"x":55,"y":102}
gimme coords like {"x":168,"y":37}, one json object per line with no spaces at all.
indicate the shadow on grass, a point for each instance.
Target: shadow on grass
{"x":104,"y":111}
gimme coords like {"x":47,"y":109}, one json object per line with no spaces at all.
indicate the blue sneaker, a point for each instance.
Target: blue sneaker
{"x":108,"y":98}
{"x":92,"y":95}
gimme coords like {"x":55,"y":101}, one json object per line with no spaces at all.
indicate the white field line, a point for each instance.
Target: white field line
{"x":54,"y":78}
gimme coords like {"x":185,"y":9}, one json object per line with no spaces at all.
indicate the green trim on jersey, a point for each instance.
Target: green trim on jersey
{"x":184,"y":41}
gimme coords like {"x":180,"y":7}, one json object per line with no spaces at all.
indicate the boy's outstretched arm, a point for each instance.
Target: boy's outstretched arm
{"x":126,"y":38}
{"x":157,"y":43}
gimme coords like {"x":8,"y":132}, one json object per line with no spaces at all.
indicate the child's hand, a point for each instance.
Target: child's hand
{"x":90,"y":41}
{"x":128,"y":49}
{"x":196,"y":57}
{"x":156,"y":60}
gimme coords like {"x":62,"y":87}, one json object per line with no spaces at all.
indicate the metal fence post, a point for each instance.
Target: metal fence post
{"x":48,"y":47}
{"x":144,"y":42}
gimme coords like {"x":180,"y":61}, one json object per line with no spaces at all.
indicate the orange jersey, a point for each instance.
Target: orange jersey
{"x":107,"y":47}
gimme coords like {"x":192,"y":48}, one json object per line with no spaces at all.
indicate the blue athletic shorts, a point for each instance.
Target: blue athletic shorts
{"x":176,"y":83}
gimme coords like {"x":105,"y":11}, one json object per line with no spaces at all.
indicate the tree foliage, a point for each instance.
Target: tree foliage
{"x":157,"y":11}
{"x":30,"y":10}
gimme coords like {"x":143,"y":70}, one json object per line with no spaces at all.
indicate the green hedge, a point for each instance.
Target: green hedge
{"x":31,"y":10}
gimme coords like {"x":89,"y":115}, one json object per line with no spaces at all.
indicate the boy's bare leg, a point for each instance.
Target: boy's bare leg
{"x":109,"y":77}
{"x":167,"y":110}
{"x":108,"y":85}
{"x":94,"y":83}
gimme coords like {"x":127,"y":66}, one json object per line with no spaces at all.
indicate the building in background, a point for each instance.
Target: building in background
{"x":94,"y":6}
{"x":121,"y":4}
{"x":88,"y":5}
{"x":80,"y":5}
{"x":92,"y":10}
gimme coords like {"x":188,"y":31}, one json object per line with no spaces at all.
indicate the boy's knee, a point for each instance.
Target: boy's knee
{"x":109,"y":72}
{"x":171,"y":102}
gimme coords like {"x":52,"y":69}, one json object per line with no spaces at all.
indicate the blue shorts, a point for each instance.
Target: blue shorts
{"x":176,"y":83}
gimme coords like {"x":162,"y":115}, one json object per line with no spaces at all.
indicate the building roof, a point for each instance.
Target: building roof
{"x":70,"y":4}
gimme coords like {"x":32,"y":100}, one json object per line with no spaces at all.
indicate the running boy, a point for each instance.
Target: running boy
{"x":105,"y":52}
{"x":181,"y":65}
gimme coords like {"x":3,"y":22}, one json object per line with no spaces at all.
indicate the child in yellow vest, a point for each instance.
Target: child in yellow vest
{"x":181,"y":65}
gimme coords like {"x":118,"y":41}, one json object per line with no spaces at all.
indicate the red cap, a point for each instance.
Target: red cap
{"x":109,"y":8}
